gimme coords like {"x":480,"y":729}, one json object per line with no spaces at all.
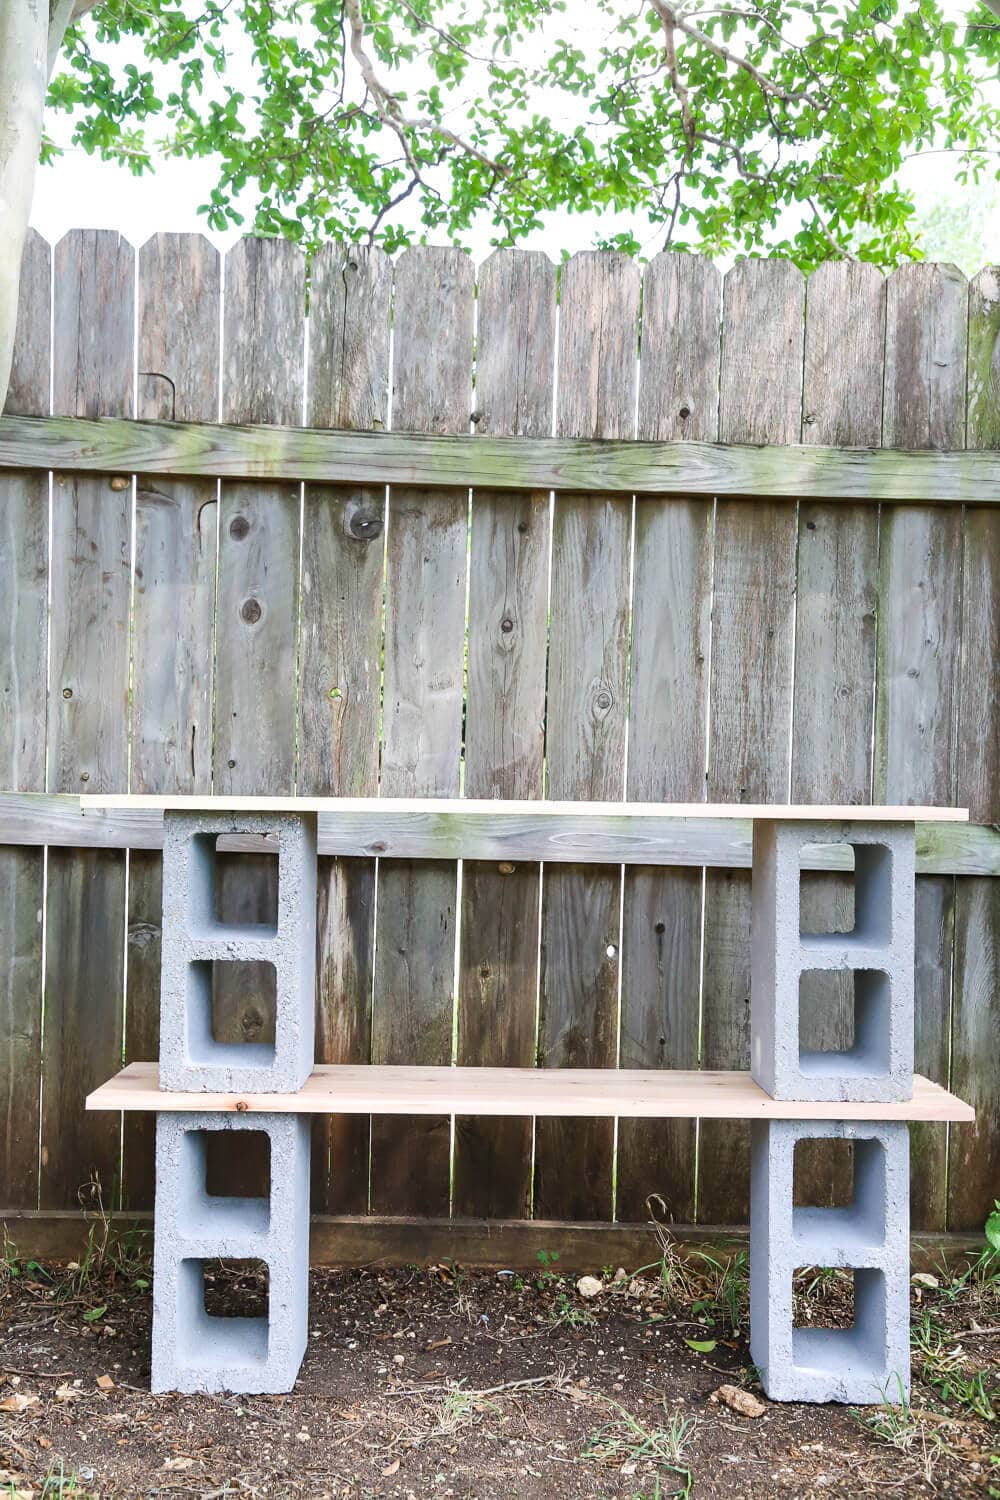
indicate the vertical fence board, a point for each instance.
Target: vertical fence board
{"x":505,"y":722}
{"x":918,"y":650}
{"x":751,"y":688}
{"x":342,"y":577}
{"x":974,"y":1150}
{"x":256,"y":620}
{"x":92,"y":360}
{"x":24,"y":547}
{"x":422,"y":735}
{"x":836,"y":597}
{"x":586,"y":724}
{"x":180,"y":287}
{"x":668,"y":690}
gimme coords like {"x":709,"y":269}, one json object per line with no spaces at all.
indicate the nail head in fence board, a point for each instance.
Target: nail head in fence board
{"x":422,"y":715}
{"x":836,"y":600}
{"x":919,"y":641}
{"x":752,"y":668}
{"x":93,"y":352}
{"x":586,"y":721}
{"x":505,"y":721}
{"x":671,"y":631}
{"x":180,"y":288}
{"x":23,"y":631}
{"x":262,"y":380}
{"x":974,"y":1151}
{"x":350,"y":311}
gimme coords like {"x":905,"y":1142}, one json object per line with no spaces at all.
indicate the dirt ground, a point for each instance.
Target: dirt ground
{"x":437,"y":1382}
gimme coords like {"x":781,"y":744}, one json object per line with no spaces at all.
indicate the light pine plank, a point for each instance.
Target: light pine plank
{"x":350,"y":312}
{"x":918,"y":648}
{"x":671,"y":627}
{"x":974,"y":1150}
{"x":505,"y":721}
{"x":833,"y":695}
{"x":506,"y":1091}
{"x":752,"y":670}
{"x":586,"y":722}
{"x":180,"y":287}
{"x":93,"y":351}
{"x":262,"y":380}
{"x":23,"y":629}
{"x":422,"y":731}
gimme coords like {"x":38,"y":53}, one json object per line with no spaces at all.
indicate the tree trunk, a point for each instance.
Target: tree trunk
{"x":31,"y":34}
{"x":24,"y":35}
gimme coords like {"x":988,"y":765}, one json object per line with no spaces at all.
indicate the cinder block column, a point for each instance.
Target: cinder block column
{"x":878,"y":953}
{"x":195,"y":941}
{"x":193,"y":1351}
{"x":869,"y":1362}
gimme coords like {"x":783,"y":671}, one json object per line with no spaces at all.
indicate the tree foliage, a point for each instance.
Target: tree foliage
{"x":774,"y":126}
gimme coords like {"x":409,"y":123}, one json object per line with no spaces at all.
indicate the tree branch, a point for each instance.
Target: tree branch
{"x":673,"y":19}
{"x":389,"y":108}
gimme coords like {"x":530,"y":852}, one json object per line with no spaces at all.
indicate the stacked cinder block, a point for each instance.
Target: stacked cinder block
{"x":193,"y":1351}
{"x":870,"y":1361}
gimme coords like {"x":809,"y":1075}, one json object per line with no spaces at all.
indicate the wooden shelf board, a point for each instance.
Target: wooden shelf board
{"x":590,"y":1092}
{"x":497,"y":809}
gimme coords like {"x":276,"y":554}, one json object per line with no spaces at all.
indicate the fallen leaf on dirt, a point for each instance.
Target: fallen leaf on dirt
{"x":43,"y":1442}
{"x":437,"y":1343}
{"x":105,"y":1383}
{"x":67,"y":1392}
{"x":390,"y":1469}
{"x":589,"y":1286}
{"x":178,"y":1463}
{"x":701,"y":1346}
{"x":18,"y":1402}
{"x":741,"y":1401}
{"x":924,"y":1278}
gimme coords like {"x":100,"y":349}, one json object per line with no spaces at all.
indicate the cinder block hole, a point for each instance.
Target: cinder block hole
{"x":238,"y":1164}
{"x":857,"y":904}
{"x":235,"y":1288}
{"x":823,"y":1297}
{"x":231,"y":1009}
{"x":838,"y":1194}
{"x":823,"y":1174}
{"x":234,"y":889}
{"x":839,"y":1320}
{"x":844,"y":1021}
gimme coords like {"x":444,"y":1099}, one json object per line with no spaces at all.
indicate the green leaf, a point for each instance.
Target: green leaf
{"x":93,"y":1313}
{"x":993,"y":1227}
{"x":701,"y":1346}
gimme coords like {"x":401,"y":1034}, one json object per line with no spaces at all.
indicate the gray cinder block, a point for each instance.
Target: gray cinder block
{"x":193,"y":1351}
{"x":194,"y":940}
{"x":879,"y":952}
{"x":869,"y":1362}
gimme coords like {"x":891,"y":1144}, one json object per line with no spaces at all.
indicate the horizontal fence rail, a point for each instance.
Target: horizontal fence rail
{"x":623,"y":837}
{"x":580,"y":465}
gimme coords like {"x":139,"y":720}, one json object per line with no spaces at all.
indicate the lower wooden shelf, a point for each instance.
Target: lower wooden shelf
{"x":591,"y":1092}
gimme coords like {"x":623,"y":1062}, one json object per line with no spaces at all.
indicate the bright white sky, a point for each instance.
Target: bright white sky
{"x":80,"y":191}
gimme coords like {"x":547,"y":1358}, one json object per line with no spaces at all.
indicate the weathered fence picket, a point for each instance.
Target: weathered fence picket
{"x":506,"y":644}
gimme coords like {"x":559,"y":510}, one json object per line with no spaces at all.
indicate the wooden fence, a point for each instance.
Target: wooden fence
{"x":187,"y":634}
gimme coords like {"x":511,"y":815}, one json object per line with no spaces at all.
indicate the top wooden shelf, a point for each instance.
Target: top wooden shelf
{"x":468,"y":807}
